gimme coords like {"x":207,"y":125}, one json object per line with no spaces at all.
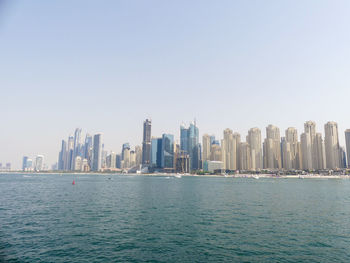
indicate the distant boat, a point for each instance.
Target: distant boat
{"x":178,"y":175}
{"x":73,"y":183}
{"x":256,"y":177}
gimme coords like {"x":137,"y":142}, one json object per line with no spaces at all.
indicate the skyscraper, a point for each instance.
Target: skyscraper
{"x":229,"y":150}
{"x":347,"y":142}
{"x":189,"y":143}
{"x":332,"y":145}
{"x":39,"y":163}
{"x":97,"y":152}
{"x":272,"y":148}
{"x":77,"y":144}
{"x":167,"y":153}
{"x":146,"y":143}
{"x":254,"y":141}
{"x":24,"y":163}
{"x":206,"y":147}
{"x":294,"y":146}
{"x":62,"y":158}
{"x":70,"y":153}
{"x":245,"y":156}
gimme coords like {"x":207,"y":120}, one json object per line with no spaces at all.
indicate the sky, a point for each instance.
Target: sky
{"x":105,"y":66}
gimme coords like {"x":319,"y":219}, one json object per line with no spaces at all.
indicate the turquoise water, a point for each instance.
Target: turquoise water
{"x":44,"y":218}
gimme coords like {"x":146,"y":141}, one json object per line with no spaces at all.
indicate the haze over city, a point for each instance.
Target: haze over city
{"x":105,"y":67}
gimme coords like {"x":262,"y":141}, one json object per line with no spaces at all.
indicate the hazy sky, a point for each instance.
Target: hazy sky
{"x":105,"y":66}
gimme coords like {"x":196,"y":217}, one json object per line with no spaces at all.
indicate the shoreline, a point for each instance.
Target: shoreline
{"x":248,"y":176}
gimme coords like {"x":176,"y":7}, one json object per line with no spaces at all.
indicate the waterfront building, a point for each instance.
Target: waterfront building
{"x":167,"y":153}
{"x":306,"y":149}
{"x":229,"y":151}
{"x":126,"y":157}
{"x":132,"y":159}
{"x":291,"y":137}
{"x":24,"y":163}
{"x":332,"y":145}
{"x":70,"y":153}
{"x":347,"y":143}
{"x":138,"y":153}
{"x":146,"y":142}
{"x":215,"y":153}
{"x":39,"y":163}
{"x":156,"y":152}
{"x":189,"y":142}
{"x":213,"y":166}
{"x":182,"y":162}
{"x":254,"y":141}
{"x":184,"y":138}
{"x":62,"y":158}
{"x":342,"y":158}
{"x":206,"y":144}
{"x":77,"y":145}
{"x":272,"y":148}
{"x":245,"y":156}
{"x":97,"y":153}
{"x":286,"y":154}
{"x":78,"y":163}
{"x":320,"y":151}
{"x":118,"y":161}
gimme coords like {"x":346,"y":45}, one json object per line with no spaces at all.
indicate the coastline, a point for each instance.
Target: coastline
{"x":248,"y":176}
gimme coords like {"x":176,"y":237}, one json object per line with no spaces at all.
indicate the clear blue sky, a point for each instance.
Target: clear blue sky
{"x":107,"y":65}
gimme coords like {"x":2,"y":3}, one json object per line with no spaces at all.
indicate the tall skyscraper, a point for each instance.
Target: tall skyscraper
{"x":24,"y":163}
{"x":320,"y":151}
{"x":167,"y":153}
{"x":156,"y":152}
{"x":70,"y":153}
{"x":184,"y":138}
{"x":39,"y":163}
{"x":332,"y":145}
{"x":254,"y":141}
{"x":206,"y":142}
{"x":97,"y":152}
{"x":229,"y":150}
{"x":294,"y":146}
{"x":189,"y":143}
{"x":245,"y":156}
{"x":272,"y":148}
{"x":347,"y":143}
{"x":146,"y":143}
{"x":77,"y":144}
{"x":62,"y":158}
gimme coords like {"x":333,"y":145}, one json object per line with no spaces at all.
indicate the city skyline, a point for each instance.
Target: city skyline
{"x":281,"y":151}
{"x":108,"y":66}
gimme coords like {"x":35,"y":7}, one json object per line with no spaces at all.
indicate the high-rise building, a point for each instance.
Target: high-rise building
{"x":215,"y":153}
{"x":184,"y":138}
{"x":320,"y":151}
{"x":78,"y":163}
{"x":292,"y":143}
{"x":62,"y":158}
{"x":126,"y":156}
{"x":138,"y":152}
{"x":97,"y":153}
{"x":254,"y":141}
{"x":70,"y":153}
{"x":146,"y":143}
{"x":272,"y":148}
{"x":342,"y":158}
{"x":167,"y":153}
{"x":77,"y":144}
{"x":332,"y":145}
{"x":230,"y":150}
{"x":306,"y":149}
{"x":24,"y":163}
{"x":39,"y":163}
{"x":189,"y":142}
{"x":156,"y":152}
{"x":245,"y":156}
{"x":206,"y":144}
{"x":347,"y":143}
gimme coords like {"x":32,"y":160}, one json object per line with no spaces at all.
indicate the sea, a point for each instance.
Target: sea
{"x":134,"y":218}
